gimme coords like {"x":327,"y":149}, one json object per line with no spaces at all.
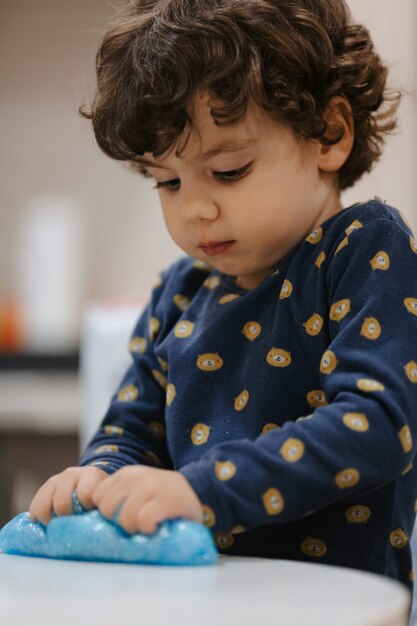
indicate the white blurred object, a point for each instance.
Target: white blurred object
{"x":48,"y":265}
{"x":103,"y":360}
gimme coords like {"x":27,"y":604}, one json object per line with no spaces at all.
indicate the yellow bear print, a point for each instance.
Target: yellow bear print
{"x":160,"y":378}
{"x":106,"y":448}
{"x":314,"y":324}
{"x":398,"y":538}
{"x":407,"y":469}
{"x":137,"y":344}
{"x":212,"y":282}
{"x":411,"y":371}
{"x":278,"y":357}
{"x":163,"y":363}
{"x":241,"y":400}
{"x":128,"y":393}
{"x":411,"y":305}
{"x":184,"y":328}
{"x":413,"y":244}
{"x":339,"y":310}
{"x":237,"y":530}
{"x":348,"y":477}
{"x":316,"y":398}
{"x":292,"y":450}
{"x":273,"y":501}
{"x":113,"y":430}
{"x":153,"y":328}
{"x":200,"y":434}
{"x":313,"y":547}
{"x":406,"y":439}
{"x":223,"y":540}
{"x":368,"y":385}
{"x":286,"y":290}
{"x":202,"y":265}
{"x":356,"y":421}
{"x":380,"y":261}
{"x":371,"y":328}
{"x":356,"y":225}
{"x":320,"y":259}
{"x":182,"y":302}
{"x":268,"y":427}
{"x":209,"y":516}
{"x":99,"y":463}
{"x":342,"y":244}
{"x":251,"y":330}
{"x":315,"y":236}
{"x":225,"y":470}
{"x":358,"y":514}
{"x":170,"y":394}
{"x":328,"y":362}
{"x":229,"y":297}
{"x":210,"y":361}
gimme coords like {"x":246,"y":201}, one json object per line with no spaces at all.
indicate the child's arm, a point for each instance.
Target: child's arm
{"x":132,"y":432}
{"x":133,"y":429}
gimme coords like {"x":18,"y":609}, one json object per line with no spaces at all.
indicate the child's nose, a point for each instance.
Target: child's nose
{"x":200,"y":207}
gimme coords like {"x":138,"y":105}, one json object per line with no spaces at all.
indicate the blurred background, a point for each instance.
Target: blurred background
{"x":82,"y":237}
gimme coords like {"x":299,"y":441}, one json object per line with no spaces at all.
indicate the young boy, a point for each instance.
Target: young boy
{"x":272,"y":393}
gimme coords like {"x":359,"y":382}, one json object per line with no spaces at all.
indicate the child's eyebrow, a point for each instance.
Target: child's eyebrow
{"x":226,"y":146}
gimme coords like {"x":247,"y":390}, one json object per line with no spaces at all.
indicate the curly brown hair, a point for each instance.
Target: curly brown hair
{"x":290,"y":57}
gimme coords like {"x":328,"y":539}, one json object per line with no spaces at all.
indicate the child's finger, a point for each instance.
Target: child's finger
{"x":62,"y":497}
{"x":149,"y":516}
{"x":41,"y":506}
{"x":102,"y":489}
{"x":129,"y":513}
{"x":87,"y":484}
{"x":109,"y":502}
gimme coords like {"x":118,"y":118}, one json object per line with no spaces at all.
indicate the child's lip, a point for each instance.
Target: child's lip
{"x":215,"y":247}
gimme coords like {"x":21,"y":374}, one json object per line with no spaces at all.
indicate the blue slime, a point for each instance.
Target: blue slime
{"x":88,"y":536}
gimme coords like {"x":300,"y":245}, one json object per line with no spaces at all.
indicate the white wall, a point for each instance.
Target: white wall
{"x":47,"y":50}
{"x":393,"y":25}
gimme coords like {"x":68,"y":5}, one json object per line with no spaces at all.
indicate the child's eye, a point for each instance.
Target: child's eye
{"x":171,"y":185}
{"x":233,"y":175}
{"x":227,"y":177}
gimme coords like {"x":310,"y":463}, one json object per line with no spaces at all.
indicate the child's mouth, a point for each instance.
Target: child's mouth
{"x":215,"y":247}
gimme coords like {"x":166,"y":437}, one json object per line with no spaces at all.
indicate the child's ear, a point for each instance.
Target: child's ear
{"x":338,"y":116}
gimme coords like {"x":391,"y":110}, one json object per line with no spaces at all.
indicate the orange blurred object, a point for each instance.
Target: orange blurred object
{"x":11,"y":336}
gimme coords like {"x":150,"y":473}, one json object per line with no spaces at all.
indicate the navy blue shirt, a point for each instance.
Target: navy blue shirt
{"x":290,"y":408}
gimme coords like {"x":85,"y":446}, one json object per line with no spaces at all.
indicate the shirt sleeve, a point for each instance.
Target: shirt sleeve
{"x":133,"y":429}
{"x":365,"y":435}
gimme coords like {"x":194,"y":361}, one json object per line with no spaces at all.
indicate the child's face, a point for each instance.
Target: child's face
{"x":241,"y":196}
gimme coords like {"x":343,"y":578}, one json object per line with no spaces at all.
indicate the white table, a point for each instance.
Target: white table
{"x":237,"y":592}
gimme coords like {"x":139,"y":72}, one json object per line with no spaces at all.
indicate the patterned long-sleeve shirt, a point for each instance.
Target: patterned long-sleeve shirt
{"x":290,"y":408}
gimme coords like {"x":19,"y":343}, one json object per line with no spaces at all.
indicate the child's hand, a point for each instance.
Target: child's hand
{"x":56,"y":494}
{"x":146,"y":496}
